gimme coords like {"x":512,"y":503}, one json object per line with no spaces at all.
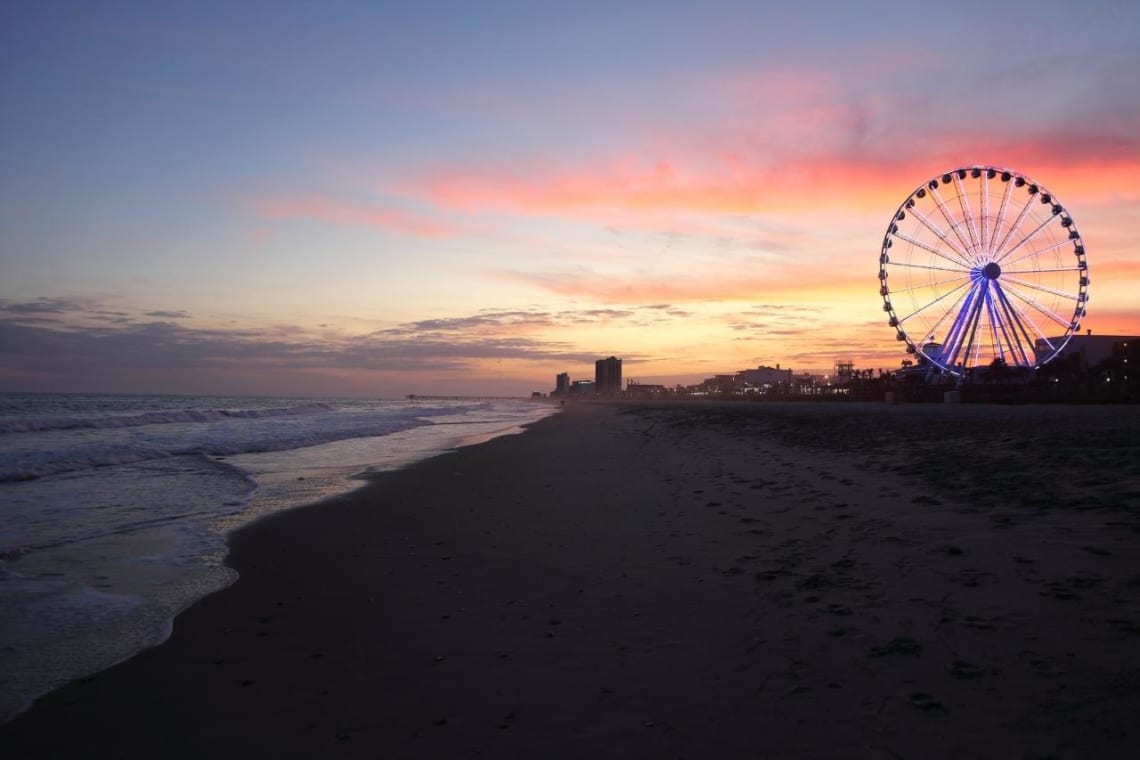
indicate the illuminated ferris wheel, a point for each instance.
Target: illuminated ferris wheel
{"x":983,"y":264}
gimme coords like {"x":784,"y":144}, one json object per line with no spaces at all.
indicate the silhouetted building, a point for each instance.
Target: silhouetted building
{"x":724,"y":383}
{"x":766,"y":377}
{"x":562,"y":384}
{"x":582,"y":388}
{"x":1092,"y":349}
{"x":607,"y":376}
{"x":645,"y":390}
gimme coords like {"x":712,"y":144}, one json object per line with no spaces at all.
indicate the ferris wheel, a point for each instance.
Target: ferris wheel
{"x":983,"y":264}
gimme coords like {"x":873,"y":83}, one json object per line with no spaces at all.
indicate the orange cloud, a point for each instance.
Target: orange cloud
{"x":786,"y":283}
{"x":784,"y":169}
{"x":786,"y":139}
{"x":1116,"y":269}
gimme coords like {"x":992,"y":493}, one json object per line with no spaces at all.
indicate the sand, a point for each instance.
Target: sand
{"x":660,"y":581}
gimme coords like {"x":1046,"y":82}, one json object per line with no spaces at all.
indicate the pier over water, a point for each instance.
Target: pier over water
{"x":419,"y":397}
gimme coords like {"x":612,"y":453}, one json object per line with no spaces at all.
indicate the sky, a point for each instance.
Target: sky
{"x":374,"y":199}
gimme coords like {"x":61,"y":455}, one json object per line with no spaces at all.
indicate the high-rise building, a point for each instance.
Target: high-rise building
{"x":562,"y":384}
{"x":607,"y":376}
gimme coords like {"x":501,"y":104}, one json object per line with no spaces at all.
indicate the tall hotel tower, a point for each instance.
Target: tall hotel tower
{"x":607,"y":377}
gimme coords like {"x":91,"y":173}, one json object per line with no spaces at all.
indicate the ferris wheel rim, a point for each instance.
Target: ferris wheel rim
{"x":992,"y":272}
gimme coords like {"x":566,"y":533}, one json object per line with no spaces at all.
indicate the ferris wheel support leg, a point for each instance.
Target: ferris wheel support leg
{"x":975,"y":318}
{"x":1007,"y":290}
{"x":998,"y":332}
{"x":1019,"y":326}
{"x":953,"y":343}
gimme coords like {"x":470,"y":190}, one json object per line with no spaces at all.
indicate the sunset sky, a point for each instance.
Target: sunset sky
{"x":373,"y":199}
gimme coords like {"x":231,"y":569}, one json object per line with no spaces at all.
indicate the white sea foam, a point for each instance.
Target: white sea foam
{"x":51,"y":450}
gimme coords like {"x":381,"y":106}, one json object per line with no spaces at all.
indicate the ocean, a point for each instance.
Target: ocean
{"x":114,"y":510}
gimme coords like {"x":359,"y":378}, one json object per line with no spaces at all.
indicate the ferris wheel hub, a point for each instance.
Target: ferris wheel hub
{"x":992,"y":270}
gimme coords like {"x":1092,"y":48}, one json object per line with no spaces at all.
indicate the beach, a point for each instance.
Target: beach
{"x":671,"y":581}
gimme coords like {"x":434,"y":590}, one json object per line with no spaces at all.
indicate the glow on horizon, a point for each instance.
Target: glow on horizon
{"x":380,"y":222}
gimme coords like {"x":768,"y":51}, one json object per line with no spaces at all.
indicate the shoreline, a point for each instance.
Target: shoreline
{"x":653,"y":580}
{"x":92,"y":603}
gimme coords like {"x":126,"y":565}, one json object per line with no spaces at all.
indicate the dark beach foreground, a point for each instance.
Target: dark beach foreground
{"x":671,"y":581}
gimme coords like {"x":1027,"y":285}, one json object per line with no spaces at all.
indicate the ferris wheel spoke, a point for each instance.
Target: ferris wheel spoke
{"x":1043,"y":310}
{"x":1042,"y":288}
{"x":953,"y":309}
{"x":1035,"y":271}
{"x":967,"y":214}
{"x":1044,"y":339}
{"x":953,"y":345}
{"x":996,"y":250}
{"x":1000,"y":221}
{"x":1025,"y":239}
{"x":1018,"y":322}
{"x":1039,"y":252}
{"x":940,"y":298}
{"x":926,"y":285}
{"x":983,"y":226}
{"x":962,"y":259}
{"x":952,"y":221}
{"x":901,"y":265}
{"x":1036,"y":327}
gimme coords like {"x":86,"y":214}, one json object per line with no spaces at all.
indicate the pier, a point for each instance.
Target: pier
{"x":419,"y":397}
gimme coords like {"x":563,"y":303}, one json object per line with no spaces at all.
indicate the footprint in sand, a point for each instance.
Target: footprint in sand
{"x":1126,"y":627}
{"x":927,"y":703}
{"x":899,"y":645}
{"x":1058,"y":590}
{"x":964,"y":670}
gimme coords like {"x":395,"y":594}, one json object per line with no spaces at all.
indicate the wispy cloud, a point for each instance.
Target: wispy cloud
{"x":746,"y":176}
{"x":783,"y":283}
{"x":338,"y":211}
{"x":29,"y":347}
{"x":788,"y":140}
{"x":39,"y":306}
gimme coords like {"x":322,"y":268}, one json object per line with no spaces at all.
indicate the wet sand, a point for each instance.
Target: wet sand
{"x":818,"y":580}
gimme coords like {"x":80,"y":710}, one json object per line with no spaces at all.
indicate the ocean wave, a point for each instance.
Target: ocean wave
{"x":164,"y":417}
{"x":220,"y":435}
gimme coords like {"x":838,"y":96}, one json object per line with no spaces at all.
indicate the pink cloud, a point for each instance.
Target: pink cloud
{"x":797,"y":163}
{"x":790,"y":140}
